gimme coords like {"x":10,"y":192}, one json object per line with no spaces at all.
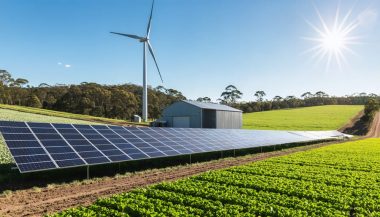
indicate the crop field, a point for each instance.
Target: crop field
{"x":336,"y":180}
{"x":329,"y":117}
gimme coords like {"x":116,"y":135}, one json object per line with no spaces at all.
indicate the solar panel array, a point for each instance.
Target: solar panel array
{"x":44,"y":146}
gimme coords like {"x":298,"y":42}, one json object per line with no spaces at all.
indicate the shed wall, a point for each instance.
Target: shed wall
{"x":228,"y":120}
{"x":182,"y":109}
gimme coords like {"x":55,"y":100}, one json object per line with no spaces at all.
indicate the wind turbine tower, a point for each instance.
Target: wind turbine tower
{"x":146,"y":45}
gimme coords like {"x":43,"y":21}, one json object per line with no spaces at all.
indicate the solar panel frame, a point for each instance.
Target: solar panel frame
{"x":86,"y":160}
{"x":20,"y":166}
{"x":154,"y":140}
{"x":183,"y":147}
{"x":117,"y":148}
{"x":72,"y":148}
{"x":127,"y":141}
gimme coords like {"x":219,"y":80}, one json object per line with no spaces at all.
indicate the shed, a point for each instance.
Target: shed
{"x":196,"y":114}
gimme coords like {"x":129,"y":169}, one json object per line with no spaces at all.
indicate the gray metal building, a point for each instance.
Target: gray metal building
{"x":195,"y":114}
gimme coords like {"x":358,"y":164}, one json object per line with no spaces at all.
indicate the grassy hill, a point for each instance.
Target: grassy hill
{"x":329,"y":117}
{"x":63,"y":115}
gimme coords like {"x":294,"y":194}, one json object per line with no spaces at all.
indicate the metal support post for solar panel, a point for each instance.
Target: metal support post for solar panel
{"x":221,"y":154}
{"x":190,"y":158}
{"x":88,"y":172}
{"x":234,"y":153}
{"x":261,"y":149}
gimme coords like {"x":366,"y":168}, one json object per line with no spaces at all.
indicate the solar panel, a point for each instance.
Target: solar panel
{"x":44,"y":146}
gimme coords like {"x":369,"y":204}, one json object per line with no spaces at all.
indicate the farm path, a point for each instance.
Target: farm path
{"x":32,"y":202}
{"x":374,"y":132}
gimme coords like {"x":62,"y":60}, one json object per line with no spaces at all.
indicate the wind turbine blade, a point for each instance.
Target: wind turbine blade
{"x":154,"y":58}
{"x":128,"y":35}
{"x":150,"y":19}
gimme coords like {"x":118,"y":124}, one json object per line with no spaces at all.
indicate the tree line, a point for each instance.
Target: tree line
{"x":124,"y":101}
{"x":111,"y":101}
{"x":231,"y":95}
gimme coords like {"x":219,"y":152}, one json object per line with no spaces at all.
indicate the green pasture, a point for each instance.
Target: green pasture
{"x":330,"y":117}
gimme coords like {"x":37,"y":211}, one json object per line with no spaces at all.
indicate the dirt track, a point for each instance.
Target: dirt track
{"x":34,"y":202}
{"x":374,"y":132}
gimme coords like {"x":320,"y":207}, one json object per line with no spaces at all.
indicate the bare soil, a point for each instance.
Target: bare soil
{"x":374,"y":131}
{"x":37,"y":202}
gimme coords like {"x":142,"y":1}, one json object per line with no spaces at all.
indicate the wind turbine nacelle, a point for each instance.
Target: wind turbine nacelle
{"x":143,"y":39}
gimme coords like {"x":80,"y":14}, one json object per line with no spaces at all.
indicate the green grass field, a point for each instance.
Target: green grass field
{"x":337,"y":180}
{"x":329,"y":117}
{"x":71,"y":116}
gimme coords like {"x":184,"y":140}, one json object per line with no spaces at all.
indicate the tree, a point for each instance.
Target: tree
{"x":321,"y":94}
{"x":372,"y":95}
{"x":175,"y":93}
{"x":204,"y":99}
{"x":370,"y":109}
{"x":260,"y":95}
{"x":292,"y":101}
{"x":306,"y":95}
{"x":230,"y":95}
{"x":33,"y":101}
{"x":161,"y":89}
{"x":43,"y":85}
{"x":124,"y":104}
{"x":19,"y":82}
{"x":277,"y":98}
{"x":5,"y":77}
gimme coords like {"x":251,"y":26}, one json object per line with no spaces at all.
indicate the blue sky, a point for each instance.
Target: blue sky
{"x":201,"y":46}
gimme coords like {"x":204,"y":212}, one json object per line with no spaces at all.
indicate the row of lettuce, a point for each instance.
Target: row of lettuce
{"x":338,"y":180}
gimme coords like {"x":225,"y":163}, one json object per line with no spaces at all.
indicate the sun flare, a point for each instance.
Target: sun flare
{"x":333,"y":41}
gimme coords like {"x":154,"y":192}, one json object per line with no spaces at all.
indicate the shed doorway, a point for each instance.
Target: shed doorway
{"x":181,"y":122}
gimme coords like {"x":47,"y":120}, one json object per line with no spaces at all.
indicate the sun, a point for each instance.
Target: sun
{"x":334,"y":41}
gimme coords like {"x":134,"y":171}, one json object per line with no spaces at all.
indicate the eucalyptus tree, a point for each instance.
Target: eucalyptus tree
{"x":372,"y":95}
{"x":292,"y":101}
{"x":5,"y":77}
{"x":43,"y":85}
{"x":19,"y":82}
{"x":321,"y":94}
{"x":204,"y":99}
{"x":230,"y":95}
{"x":260,"y":95}
{"x":277,"y":98}
{"x":306,"y":95}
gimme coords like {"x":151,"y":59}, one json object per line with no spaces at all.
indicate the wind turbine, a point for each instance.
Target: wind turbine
{"x":146,"y":43}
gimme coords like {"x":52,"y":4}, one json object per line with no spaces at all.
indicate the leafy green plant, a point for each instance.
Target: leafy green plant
{"x":337,"y":180}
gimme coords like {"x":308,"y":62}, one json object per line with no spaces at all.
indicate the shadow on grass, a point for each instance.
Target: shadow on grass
{"x":12,"y":179}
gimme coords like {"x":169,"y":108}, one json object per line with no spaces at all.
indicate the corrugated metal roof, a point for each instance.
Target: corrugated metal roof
{"x":213,"y":106}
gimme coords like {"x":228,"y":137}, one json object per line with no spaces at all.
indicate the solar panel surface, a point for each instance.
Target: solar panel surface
{"x":44,"y":146}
